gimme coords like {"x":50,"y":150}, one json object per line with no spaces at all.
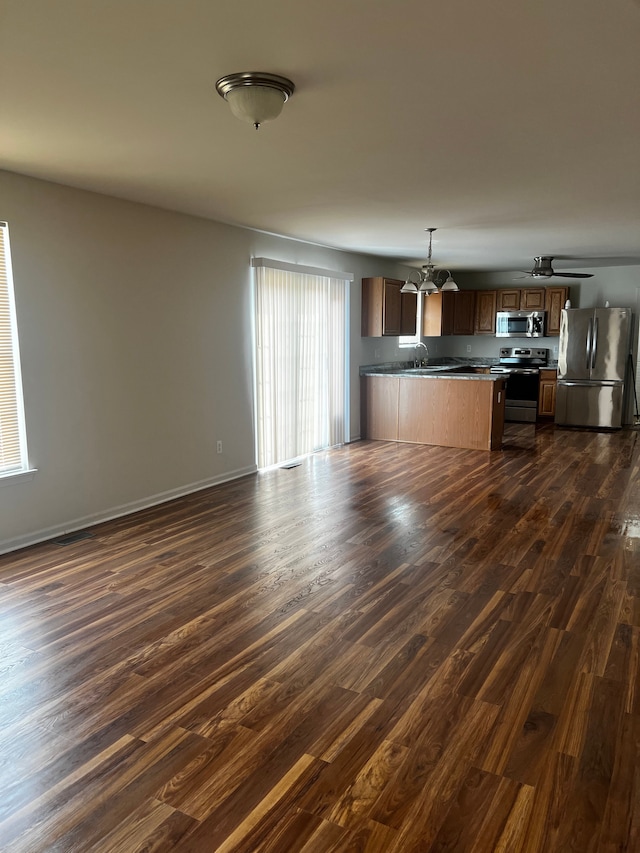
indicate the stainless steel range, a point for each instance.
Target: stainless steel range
{"x":521,"y":368}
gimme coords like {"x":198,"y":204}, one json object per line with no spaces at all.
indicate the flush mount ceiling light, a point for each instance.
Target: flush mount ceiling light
{"x":428,"y":280}
{"x":255,"y":96}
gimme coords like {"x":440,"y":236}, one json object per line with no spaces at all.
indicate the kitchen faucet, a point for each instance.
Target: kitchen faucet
{"x":417,"y":362}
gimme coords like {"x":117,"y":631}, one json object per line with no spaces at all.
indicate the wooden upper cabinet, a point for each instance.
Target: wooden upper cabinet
{"x":549,"y":299}
{"x":408,"y":313}
{"x":485,"y":320}
{"x":386,"y":311}
{"x":508,"y":300}
{"x":448,"y":313}
{"x":464,"y":305}
{"x":526,"y":299}
{"x":437,"y":314}
{"x":555,"y":298}
{"x":532,"y":299}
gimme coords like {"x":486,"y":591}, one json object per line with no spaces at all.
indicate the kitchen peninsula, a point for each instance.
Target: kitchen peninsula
{"x":443,"y":405}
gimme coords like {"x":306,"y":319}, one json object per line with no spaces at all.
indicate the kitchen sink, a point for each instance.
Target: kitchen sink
{"x":419,"y":371}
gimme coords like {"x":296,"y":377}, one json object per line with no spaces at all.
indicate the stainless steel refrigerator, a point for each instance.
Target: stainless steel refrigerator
{"x":592,"y":360}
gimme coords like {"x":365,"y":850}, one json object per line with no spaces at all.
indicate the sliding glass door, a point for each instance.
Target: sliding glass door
{"x":301,"y":362}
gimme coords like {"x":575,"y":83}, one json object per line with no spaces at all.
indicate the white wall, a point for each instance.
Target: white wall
{"x":135,"y":338}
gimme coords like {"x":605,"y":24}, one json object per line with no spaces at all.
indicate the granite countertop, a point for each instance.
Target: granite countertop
{"x":450,"y":369}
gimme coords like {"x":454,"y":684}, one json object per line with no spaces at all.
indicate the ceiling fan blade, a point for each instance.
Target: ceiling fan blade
{"x":542,"y":268}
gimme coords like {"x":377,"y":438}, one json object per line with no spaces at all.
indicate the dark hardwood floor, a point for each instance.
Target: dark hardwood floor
{"x":388,"y":649}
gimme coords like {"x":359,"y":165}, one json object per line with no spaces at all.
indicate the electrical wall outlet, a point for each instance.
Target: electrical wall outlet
{"x":376,"y":353}
{"x":468,"y":347}
{"x":218,"y":447}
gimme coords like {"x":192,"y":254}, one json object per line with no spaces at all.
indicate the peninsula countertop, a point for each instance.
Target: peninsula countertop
{"x":433,"y":371}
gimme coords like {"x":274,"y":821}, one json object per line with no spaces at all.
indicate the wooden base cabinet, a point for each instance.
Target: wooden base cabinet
{"x":385,"y":310}
{"x":464,"y":413}
{"x":547,"y":394}
{"x":379,"y":407}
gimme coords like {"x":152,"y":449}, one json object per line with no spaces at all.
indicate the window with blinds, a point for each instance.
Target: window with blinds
{"x":13,"y":444}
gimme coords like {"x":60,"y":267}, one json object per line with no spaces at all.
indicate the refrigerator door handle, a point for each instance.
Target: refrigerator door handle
{"x":589,"y":340}
{"x":589,"y":383}
{"x":594,"y":343}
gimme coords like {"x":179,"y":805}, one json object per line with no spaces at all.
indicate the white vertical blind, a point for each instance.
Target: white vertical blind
{"x":13,"y":446}
{"x":301,"y":358}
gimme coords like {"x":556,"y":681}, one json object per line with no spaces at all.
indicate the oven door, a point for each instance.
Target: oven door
{"x":521,"y":393}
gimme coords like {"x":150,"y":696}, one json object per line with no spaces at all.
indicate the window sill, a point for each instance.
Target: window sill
{"x":12,"y":477}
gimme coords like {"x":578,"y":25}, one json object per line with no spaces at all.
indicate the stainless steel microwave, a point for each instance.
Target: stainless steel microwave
{"x":521,"y":324}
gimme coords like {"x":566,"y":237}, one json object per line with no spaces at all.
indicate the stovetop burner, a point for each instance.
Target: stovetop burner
{"x":523,"y":356}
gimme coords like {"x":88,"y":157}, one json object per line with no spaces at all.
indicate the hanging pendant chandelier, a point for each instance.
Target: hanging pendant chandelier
{"x":428,"y":280}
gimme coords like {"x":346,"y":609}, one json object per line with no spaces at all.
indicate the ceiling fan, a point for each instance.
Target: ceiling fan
{"x":542,"y":269}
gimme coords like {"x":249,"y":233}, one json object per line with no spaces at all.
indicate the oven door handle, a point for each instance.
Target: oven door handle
{"x":517,"y":371}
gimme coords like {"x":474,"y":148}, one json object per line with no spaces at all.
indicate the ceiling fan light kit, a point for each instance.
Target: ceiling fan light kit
{"x":429,"y":280}
{"x":255,"y":96}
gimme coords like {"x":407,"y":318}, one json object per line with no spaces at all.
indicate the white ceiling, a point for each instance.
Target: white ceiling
{"x":513,"y":126}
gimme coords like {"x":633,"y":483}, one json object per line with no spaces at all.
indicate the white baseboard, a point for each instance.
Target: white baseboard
{"x":7,"y":545}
